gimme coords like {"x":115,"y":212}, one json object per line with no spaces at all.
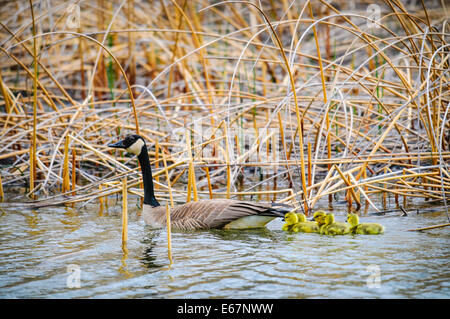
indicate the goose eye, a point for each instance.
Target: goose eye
{"x":129,"y":141}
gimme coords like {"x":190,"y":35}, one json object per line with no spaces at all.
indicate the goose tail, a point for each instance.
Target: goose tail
{"x":279,"y":209}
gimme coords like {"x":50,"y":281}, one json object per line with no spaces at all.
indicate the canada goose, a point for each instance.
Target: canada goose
{"x":305,"y":226}
{"x":204,"y":214}
{"x":334,"y":228}
{"x":364,"y":228}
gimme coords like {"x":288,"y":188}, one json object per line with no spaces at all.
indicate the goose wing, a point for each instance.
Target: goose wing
{"x":219,"y":212}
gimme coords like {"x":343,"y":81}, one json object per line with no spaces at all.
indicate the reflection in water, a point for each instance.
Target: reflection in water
{"x":243,"y":235}
{"x":70,"y":220}
{"x":149,"y":258}
{"x":123,"y":266}
{"x":33,"y":220}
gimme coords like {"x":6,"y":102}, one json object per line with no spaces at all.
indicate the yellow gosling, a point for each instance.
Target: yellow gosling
{"x":290,"y":218}
{"x":364,"y":228}
{"x":334,"y":228}
{"x":286,"y":227}
{"x":305,"y":226}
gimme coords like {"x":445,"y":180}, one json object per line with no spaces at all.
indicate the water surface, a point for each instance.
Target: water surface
{"x":40,"y":249}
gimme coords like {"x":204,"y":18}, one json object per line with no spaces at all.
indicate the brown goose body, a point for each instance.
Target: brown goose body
{"x":214,"y":213}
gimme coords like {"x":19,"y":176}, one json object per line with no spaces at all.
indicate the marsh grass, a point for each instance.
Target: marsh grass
{"x":291,"y":101}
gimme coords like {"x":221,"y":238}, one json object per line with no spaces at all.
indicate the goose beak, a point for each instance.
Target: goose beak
{"x":119,"y":144}
{"x":311,"y":219}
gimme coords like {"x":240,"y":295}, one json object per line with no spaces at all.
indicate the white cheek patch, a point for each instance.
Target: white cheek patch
{"x":136,"y":147}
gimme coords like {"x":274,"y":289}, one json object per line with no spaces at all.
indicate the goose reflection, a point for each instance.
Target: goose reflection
{"x":149,"y":258}
{"x":245,"y":235}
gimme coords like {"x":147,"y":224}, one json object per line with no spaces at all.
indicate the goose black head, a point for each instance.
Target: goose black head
{"x":132,"y":144}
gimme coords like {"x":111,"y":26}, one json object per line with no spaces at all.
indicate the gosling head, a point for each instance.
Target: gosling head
{"x":132,"y":144}
{"x":353,"y":219}
{"x":291,"y":218}
{"x":319,"y":217}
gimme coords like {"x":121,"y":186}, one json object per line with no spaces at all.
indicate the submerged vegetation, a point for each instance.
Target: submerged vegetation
{"x":292,"y":102}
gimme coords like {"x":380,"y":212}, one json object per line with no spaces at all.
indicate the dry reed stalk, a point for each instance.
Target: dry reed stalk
{"x":267,"y":151}
{"x":33,"y":137}
{"x":327,"y":123}
{"x":348,"y":183}
{"x":396,"y":197}
{"x":316,"y":39}
{"x":124,"y":210}
{"x":101,"y":198}
{"x":32,"y":168}
{"x":283,"y":141}
{"x":157,"y":150}
{"x":309,"y":165}
{"x":82,"y":75}
{"x":302,"y":163}
{"x":5,"y":94}
{"x":236,"y":142}
{"x":324,"y":90}
{"x":74,"y":170}
{"x":208,"y":177}
{"x":430,"y":227}
{"x":274,"y":157}
{"x":192,"y":186}
{"x":169,"y":187}
{"x":2,"y":195}
{"x":169,"y":234}
{"x":193,"y":180}
{"x":100,"y":77}
{"x":65,"y":172}
{"x":131,"y":44}
{"x":384,"y":199}
{"x":227,"y":159}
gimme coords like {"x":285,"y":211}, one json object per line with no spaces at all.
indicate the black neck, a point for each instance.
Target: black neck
{"x":149,"y":194}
